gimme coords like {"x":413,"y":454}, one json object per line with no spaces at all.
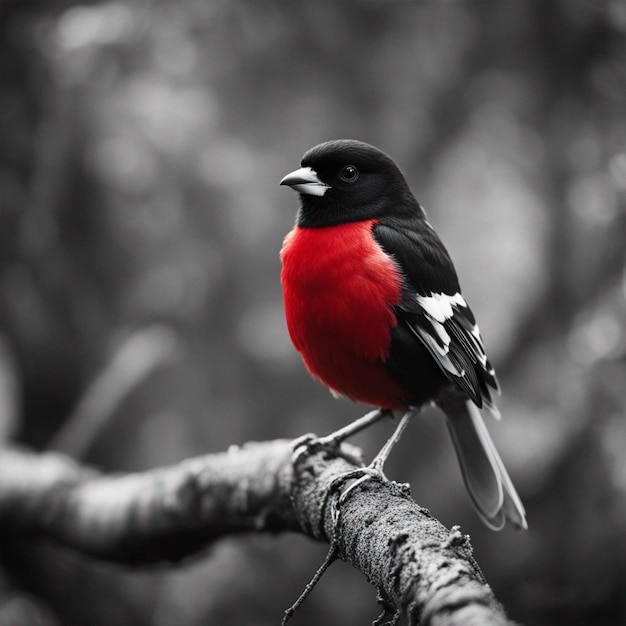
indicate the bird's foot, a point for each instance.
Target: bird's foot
{"x":375,"y":470}
{"x":310,"y":443}
{"x":337,"y":437}
{"x":361,"y":476}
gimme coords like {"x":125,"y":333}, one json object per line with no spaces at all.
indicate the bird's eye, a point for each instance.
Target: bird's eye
{"x":349,"y":174}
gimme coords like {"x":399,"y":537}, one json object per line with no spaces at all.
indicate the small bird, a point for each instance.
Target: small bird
{"x":373,"y":305}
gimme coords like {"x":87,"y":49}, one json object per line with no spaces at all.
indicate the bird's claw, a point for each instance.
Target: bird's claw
{"x":361,"y":474}
{"x":303,"y":445}
{"x":309,"y":443}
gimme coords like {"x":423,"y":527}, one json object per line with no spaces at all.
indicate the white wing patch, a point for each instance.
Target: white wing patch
{"x":439,"y":305}
{"x":439,"y":308}
{"x":453,"y":339}
{"x":446,"y":326}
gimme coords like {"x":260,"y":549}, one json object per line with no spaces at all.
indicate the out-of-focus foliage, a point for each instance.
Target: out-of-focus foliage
{"x":141,"y":147}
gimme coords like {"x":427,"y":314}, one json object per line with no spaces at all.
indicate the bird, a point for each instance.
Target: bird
{"x":374,"y":307}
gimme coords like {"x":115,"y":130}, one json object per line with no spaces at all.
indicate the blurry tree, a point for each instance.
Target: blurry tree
{"x":141,"y":146}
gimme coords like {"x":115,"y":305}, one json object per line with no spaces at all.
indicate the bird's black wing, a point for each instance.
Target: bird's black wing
{"x":434,"y":321}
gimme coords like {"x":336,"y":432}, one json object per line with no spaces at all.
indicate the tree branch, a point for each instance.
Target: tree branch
{"x":167,"y":514}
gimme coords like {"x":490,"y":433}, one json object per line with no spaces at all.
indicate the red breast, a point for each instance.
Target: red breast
{"x":339,"y":288}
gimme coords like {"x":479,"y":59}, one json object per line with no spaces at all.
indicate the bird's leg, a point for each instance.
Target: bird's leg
{"x":337,"y":437}
{"x":307,"y":442}
{"x":375,"y":468}
{"x":380,"y":459}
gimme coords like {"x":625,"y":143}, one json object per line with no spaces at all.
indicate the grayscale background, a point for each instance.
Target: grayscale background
{"x":142,"y":144}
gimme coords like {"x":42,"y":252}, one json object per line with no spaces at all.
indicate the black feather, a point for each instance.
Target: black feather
{"x":419,"y":252}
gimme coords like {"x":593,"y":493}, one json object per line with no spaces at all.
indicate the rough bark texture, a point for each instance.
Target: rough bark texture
{"x":416,"y":564}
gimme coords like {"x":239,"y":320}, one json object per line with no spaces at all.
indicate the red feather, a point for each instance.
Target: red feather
{"x":339,"y":288}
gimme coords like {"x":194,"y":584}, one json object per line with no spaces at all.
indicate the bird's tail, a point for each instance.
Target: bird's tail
{"x":485,"y":476}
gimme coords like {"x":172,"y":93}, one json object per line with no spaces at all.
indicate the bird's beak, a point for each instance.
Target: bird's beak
{"x":305,"y":180}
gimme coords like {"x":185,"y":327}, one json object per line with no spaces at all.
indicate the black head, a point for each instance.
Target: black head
{"x":347,"y":181}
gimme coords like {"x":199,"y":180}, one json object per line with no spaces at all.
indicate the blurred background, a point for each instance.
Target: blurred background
{"x":140,"y":304}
